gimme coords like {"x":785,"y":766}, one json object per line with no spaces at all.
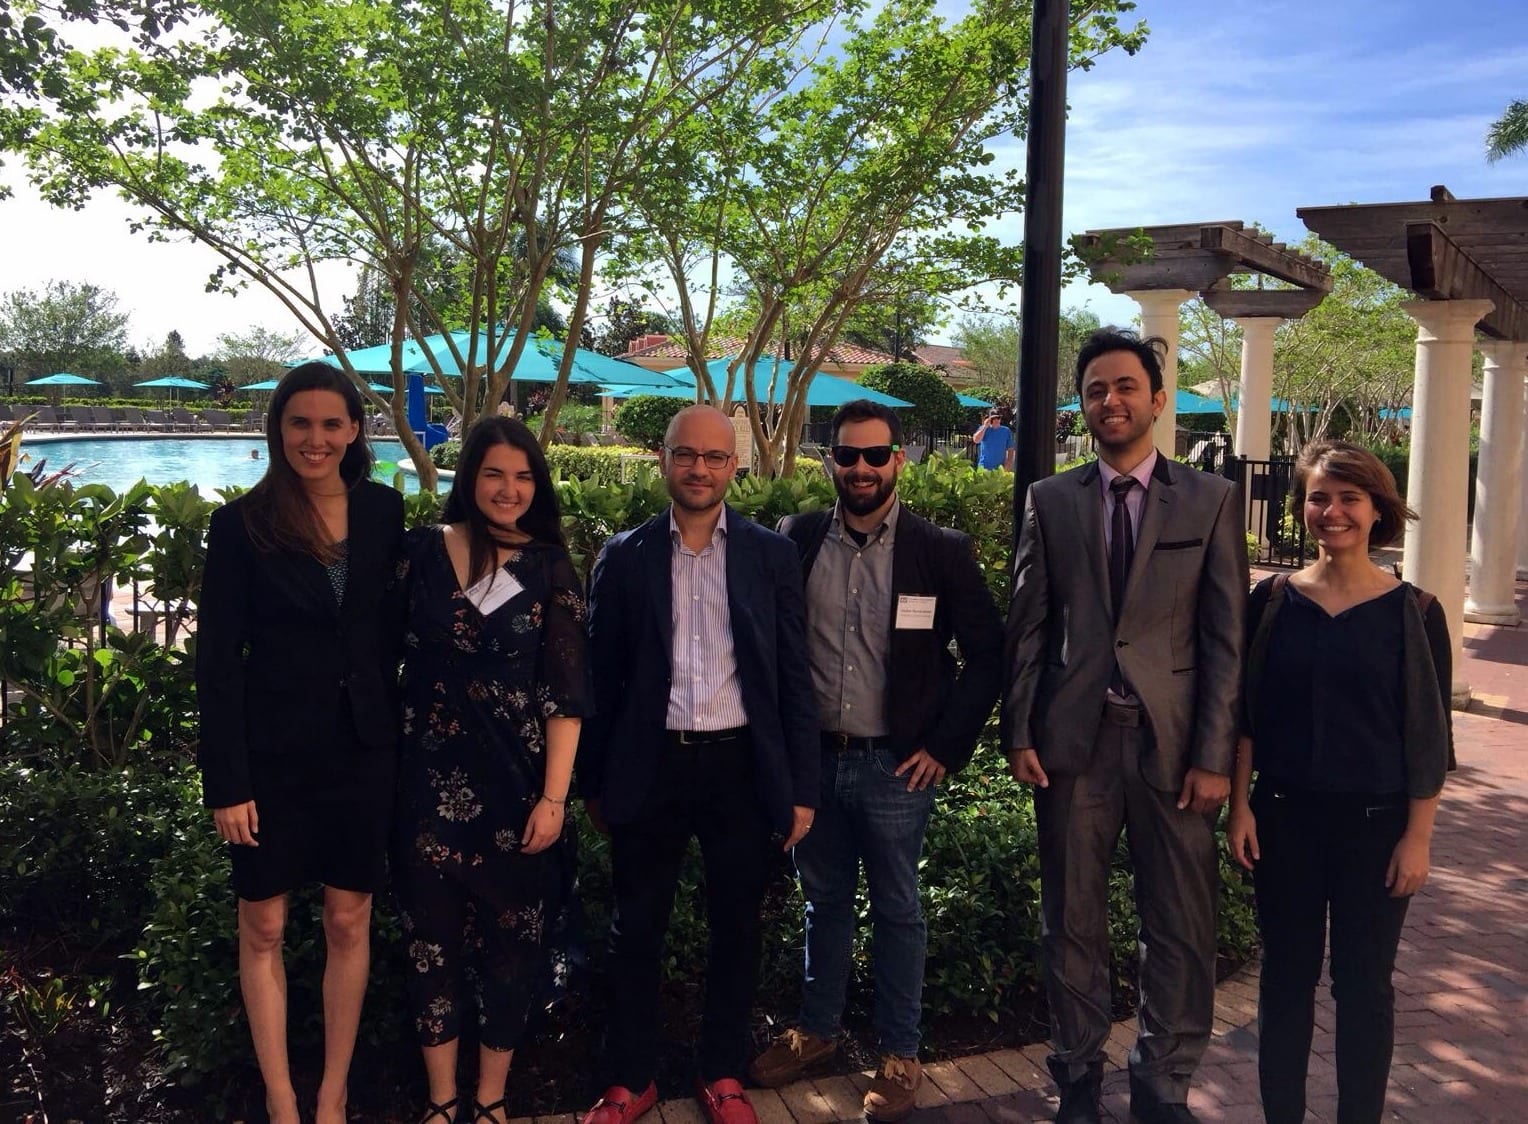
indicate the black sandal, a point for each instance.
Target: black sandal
{"x":446,"y":1110}
{"x":482,"y":1111}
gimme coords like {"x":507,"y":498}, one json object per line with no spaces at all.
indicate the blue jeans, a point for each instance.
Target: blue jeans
{"x":866,"y":816}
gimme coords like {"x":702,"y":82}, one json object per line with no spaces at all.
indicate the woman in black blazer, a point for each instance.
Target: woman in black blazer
{"x":297,"y":650}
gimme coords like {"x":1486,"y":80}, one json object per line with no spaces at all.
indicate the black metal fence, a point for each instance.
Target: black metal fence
{"x":1269,"y":510}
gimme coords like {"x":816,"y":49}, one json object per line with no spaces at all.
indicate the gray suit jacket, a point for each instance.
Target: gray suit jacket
{"x":1179,"y":640}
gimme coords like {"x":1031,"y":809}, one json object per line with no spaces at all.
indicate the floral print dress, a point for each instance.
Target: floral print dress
{"x":478,"y":690}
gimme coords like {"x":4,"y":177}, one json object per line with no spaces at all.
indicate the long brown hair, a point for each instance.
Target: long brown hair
{"x":278,"y":513}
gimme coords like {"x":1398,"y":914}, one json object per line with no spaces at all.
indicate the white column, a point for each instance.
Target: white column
{"x":1159,"y":317}
{"x":1498,"y":486}
{"x":1254,"y":409}
{"x":1440,"y":460}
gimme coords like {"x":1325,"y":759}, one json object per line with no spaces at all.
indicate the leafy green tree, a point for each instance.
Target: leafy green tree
{"x":259,"y":353}
{"x":1509,"y":134}
{"x":489,"y":139}
{"x":170,"y":359}
{"x":836,"y":193}
{"x":65,"y":327}
{"x":935,"y":407}
{"x":625,"y":321}
{"x":991,"y":346}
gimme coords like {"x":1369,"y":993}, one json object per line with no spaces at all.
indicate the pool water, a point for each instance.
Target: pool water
{"x":209,"y":463}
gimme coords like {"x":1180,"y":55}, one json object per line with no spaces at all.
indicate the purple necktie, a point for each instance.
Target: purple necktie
{"x":1121,"y":541}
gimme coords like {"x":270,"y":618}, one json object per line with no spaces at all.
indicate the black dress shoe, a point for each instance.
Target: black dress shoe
{"x":1079,"y":1102}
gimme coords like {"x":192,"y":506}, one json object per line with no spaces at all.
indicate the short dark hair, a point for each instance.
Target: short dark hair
{"x":862,"y":409}
{"x":1149,"y":351}
{"x":542,"y":520}
{"x":1353,"y":464}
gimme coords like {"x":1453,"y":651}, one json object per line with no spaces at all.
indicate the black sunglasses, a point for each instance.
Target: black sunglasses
{"x":876,"y":456}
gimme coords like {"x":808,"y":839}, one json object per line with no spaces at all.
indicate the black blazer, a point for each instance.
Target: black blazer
{"x":279,"y":663}
{"x":931,"y":702}
{"x":631,"y":627}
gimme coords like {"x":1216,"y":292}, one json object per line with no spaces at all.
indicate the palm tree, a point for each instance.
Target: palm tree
{"x":1510,"y":134}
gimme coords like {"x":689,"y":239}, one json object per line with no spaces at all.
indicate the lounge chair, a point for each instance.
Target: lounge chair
{"x":155,"y":421}
{"x":219,"y":420}
{"x":5,"y":414}
{"x":186,"y":420}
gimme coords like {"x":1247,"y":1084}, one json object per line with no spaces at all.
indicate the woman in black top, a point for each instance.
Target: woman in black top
{"x":1347,"y":721}
{"x":297,"y":649}
{"x":495,"y":687}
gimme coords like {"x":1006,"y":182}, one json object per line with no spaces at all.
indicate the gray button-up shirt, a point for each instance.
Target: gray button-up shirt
{"x":705,"y":694}
{"x":848,"y":617}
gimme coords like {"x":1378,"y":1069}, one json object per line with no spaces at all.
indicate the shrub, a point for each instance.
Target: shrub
{"x":935,"y":406}
{"x":598,"y":464}
{"x":643,"y":420}
{"x":447,"y":453}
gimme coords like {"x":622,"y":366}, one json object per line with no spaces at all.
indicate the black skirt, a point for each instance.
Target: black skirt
{"x":323,"y":817}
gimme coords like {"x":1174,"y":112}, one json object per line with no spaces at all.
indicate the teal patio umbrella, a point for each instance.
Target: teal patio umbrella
{"x":971,"y":400}
{"x":63,"y":378}
{"x":538,"y":362}
{"x":172,"y":383}
{"x":825,"y":390}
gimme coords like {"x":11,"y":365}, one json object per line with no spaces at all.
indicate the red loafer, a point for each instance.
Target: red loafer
{"x":620,"y":1105}
{"x":725,"y":1102}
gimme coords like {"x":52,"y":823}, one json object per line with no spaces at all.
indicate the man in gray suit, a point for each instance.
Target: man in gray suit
{"x":1125,"y":648}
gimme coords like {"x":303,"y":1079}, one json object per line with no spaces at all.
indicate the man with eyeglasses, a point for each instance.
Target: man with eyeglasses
{"x":886,"y":593}
{"x":705,"y":727}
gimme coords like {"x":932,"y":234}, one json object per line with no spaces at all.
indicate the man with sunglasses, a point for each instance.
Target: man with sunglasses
{"x":886,"y":593}
{"x":1125,"y":641}
{"x":705,"y":727}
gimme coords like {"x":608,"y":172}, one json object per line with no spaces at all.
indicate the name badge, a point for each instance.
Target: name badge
{"x":915,"y":612}
{"x":494,"y":589}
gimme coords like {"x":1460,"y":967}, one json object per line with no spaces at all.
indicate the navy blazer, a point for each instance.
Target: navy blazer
{"x":931,"y":702}
{"x":279,"y":662}
{"x":631,"y":628}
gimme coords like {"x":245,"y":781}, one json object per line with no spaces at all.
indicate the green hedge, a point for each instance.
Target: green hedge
{"x":130,"y":862}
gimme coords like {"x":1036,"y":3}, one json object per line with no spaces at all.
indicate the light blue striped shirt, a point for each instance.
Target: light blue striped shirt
{"x":705,"y":693}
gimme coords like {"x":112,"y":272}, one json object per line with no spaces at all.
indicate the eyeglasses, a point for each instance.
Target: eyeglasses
{"x":876,"y":456}
{"x":686,"y":458}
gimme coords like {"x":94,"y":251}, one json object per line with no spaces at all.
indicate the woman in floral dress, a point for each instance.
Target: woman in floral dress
{"x":494,"y":689}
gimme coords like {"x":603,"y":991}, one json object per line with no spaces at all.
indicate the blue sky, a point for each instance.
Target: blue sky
{"x":1239,"y":110}
{"x":1234,"y":110}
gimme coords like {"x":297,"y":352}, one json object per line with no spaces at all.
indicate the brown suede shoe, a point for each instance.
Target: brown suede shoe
{"x":789,"y":1057}
{"x":893,"y":1090}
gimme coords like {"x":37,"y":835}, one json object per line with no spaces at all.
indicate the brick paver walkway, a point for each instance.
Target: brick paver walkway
{"x":1461,"y":979}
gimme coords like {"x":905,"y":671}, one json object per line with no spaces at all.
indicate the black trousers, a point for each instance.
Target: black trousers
{"x":707,"y":792}
{"x":1326,"y":856}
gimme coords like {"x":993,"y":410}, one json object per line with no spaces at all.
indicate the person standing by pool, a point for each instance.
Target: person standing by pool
{"x":1347,"y":711}
{"x":495,"y":687}
{"x":297,"y":646}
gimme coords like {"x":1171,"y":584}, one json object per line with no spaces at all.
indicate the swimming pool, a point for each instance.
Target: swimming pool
{"x":209,"y":463}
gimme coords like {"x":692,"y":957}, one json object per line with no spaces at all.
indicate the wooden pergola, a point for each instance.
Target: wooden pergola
{"x":1441,"y":249}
